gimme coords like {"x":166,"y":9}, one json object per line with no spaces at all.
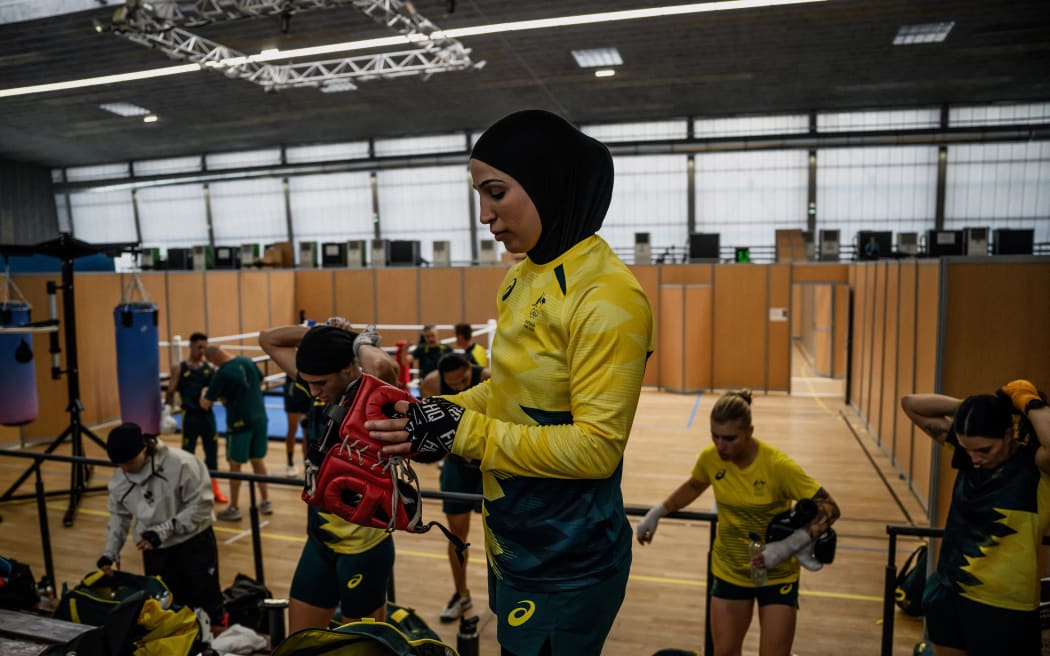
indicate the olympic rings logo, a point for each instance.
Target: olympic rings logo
{"x":521,"y":614}
{"x":355,"y":581}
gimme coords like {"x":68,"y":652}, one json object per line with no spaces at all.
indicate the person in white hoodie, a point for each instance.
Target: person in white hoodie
{"x":169,"y":493}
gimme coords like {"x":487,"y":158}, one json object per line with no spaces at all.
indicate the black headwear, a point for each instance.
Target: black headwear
{"x":325,"y":350}
{"x":568,"y":175}
{"x":124,"y":443}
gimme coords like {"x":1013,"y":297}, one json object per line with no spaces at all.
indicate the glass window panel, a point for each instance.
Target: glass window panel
{"x":248,"y":211}
{"x":884,"y":188}
{"x":62,"y":207}
{"x":647,"y":131}
{"x":326,"y":152}
{"x":103,"y":216}
{"x":1004,"y":185}
{"x":428,"y":204}
{"x":744,"y":126}
{"x":173,"y":217}
{"x":887,"y":119}
{"x":747,"y":196}
{"x":439,"y":143}
{"x":168,"y":165}
{"x":268,"y":157}
{"x":999,"y":114}
{"x":56,"y":175}
{"x":650,"y":194}
{"x":331,"y":207}
{"x":97,"y":172}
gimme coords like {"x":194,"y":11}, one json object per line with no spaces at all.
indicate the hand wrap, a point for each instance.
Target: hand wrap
{"x":1023,"y":395}
{"x":432,"y":425}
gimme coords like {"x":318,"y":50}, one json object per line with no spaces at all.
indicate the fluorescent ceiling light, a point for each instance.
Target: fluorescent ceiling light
{"x":604,"y":72}
{"x":125,"y":109}
{"x":400,"y":40}
{"x":925,"y":33}
{"x":597,"y":57}
{"x":150,"y":118}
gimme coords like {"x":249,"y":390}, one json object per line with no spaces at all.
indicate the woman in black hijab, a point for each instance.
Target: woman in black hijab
{"x":573,"y":333}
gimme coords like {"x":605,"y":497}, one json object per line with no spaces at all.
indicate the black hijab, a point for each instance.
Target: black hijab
{"x":568,"y":175}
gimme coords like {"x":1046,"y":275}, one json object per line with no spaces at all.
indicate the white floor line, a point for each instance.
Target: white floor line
{"x":242,"y":534}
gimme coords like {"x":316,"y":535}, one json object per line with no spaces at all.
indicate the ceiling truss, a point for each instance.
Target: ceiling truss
{"x":161,"y":25}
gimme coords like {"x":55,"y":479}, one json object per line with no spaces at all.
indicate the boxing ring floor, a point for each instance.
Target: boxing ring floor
{"x":840,"y":606}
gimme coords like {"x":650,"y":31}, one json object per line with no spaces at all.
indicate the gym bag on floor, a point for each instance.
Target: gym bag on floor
{"x":911,"y":582}
{"x":98,"y":594}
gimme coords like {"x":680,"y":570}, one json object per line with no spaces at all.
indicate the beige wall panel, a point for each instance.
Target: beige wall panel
{"x":822,"y":329}
{"x":648,"y":276}
{"x":697,"y":347}
{"x":841,"y":328}
{"x":905,"y":431}
{"x":740,"y":317}
{"x":254,"y":291}
{"x":888,"y":381}
{"x":686,"y":274}
{"x":861,"y":323}
{"x":480,"y":291}
{"x":313,"y":294}
{"x":796,"y":311}
{"x":996,"y":324}
{"x":828,"y":271}
{"x":223,"y":298}
{"x":671,"y":338}
{"x":878,"y":343}
{"x":778,"y":355}
{"x":282,"y":298}
{"x":186,"y":306}
{"x":355,"y":297}
{"x":927,"y":290}
{"x":97,"y":294}
{"x":441,"y":295}
{"x":51,"y":394}
{"x":399,"y":291}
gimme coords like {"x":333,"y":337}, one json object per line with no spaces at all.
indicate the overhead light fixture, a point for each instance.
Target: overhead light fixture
{"x":150,"y":118}
{"x":597,"y":57}
{"x":478,"y":30}
{"x":125,"y":109}
{"x":925,"y":33}
{"x":605,"y":72}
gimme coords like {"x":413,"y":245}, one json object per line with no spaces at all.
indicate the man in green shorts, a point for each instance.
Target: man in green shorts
{"x":188,"y":378}
{"x":238,"y":383}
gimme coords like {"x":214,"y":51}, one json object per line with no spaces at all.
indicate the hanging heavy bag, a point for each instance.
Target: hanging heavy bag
{"x":911,"y":582}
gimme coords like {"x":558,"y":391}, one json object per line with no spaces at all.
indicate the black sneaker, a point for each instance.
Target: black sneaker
{"x":456,"y":607}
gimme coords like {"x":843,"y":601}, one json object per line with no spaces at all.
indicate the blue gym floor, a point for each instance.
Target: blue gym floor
{"x":277,"y":425}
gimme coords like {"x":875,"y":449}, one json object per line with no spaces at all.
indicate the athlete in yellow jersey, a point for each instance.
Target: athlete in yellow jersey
{"x":573,"y":333}
{"x":983,"y":600}
{"x":753,"y":482}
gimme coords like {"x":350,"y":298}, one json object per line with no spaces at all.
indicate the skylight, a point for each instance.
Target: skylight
{"x":597,"y":57}
{"x":125,"y":109}
{"x":925,"y":33}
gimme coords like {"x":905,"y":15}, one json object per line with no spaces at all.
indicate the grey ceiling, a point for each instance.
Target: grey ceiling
{"x":828,"y":55}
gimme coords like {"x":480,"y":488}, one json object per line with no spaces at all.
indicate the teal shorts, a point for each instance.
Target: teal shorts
{"x":785,"y":594}
{"x":460,"y":475}
{"x":572,"y":622}
{"x":357,"y":583}
{"x":250,"y":443}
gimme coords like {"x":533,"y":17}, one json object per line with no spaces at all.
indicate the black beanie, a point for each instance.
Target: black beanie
{"x":325,"y":350}
{"x":124,"y":443}
{"x":567,"y":175}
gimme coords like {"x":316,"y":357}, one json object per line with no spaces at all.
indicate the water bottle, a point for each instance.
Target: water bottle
{"x":758,"y":574}
{"x":467,"y":637}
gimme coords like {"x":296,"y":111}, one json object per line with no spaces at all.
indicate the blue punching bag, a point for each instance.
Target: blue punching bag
{"x":138,"y":364}
{"x":18,"y":401}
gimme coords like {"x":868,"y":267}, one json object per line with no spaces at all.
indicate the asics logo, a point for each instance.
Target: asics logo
{"x":521,"y":614}
{"x":355,"y":581}
{"x":507,"y":291}
{"x":786,"y":589}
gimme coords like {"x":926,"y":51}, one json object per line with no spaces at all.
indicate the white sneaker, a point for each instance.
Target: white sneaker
{"x":456,"y":607}
{"x":292,"y":471}
{"x":229,"y":514}
{"x":266,"y":507}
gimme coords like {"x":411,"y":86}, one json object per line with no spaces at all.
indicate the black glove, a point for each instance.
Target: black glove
{"x":431,"y":427}
{"x":152,"y":538}
{"x":104,"y":562}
